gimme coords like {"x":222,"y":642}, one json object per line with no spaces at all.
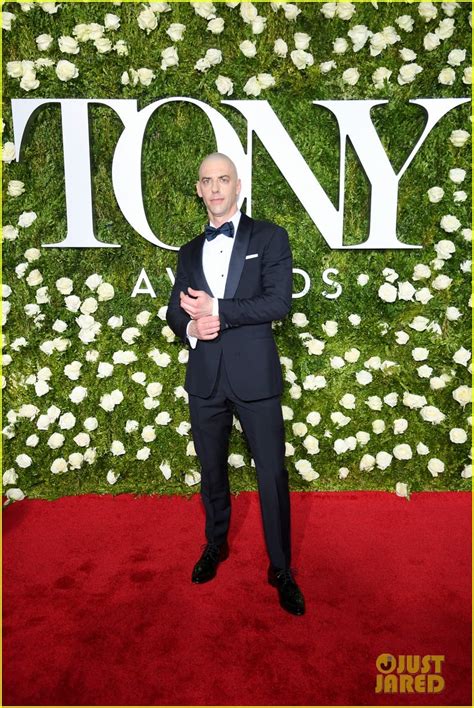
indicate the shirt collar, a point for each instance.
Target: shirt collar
{"x":234,"y":219}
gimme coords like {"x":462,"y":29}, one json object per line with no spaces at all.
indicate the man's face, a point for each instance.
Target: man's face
{"x":218,"y":187}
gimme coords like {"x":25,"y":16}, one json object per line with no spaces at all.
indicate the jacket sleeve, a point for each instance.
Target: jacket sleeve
{"x":277,"y":278}
{"x":176,"y":317}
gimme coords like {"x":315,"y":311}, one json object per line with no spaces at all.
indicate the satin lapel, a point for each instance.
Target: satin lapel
{"x":237,"y":258}
{"x":201,"y":282}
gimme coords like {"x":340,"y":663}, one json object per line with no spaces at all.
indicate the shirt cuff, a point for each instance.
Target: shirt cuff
{"x":215,"y":306}
{"x":192,"y":340}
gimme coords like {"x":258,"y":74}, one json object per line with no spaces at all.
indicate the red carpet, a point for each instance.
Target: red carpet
{"x":99,"y":608}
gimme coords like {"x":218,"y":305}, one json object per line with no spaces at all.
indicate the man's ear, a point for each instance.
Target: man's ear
{"x":238,"y":187}
{"x":198,"y":189}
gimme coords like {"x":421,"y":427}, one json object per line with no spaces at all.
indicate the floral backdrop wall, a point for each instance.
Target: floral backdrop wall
{"x":378,"y":377}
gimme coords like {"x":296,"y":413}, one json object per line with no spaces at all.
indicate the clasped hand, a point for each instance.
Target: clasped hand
{"x":198,"y":305}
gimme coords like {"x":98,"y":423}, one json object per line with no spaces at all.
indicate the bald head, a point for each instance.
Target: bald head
{"x":214,"y":157}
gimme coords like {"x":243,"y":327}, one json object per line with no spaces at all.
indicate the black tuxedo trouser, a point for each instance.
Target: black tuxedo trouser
{"x":262,"y":423}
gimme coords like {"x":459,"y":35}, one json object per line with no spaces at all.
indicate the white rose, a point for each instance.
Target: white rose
{"x":280,"y":48}
{"x":8,"y":155}
{"x":163,"y":418}
{"x":313,"y":418}
{"x":450,"y":223}
{"x":265,"y":80}
{"x":44,"y":42}
{"x":402,"y":451}
{"x":462,"y":395}
{"x":377,"y":44}
{"x":169,"y":57}
{"x":213,"y":56}
{"x":165,"y":469}
{"x":105,"y":291}
{"x":435,"y":466}
{"x":407,"y":73}
{"x":447,"y":76}
{"x":460,"y":196}
{"x":15,"y":69}
{"x":111,"y":22}
{"x":367,"y":463}
{"x":325,"y":67}
{"x":441,"y":282}
{"x":466,"y":473}
{"x":380,"y":77}
{"x":301,"y":40}
{"x":449,"y":8}
{"x":236,"y":460}
{"x":301,"y":59}
{"x":359,"y":34}
{"x":23,"y":461}
{"x":400,"y":425}
{"x":383,"y":459}
{"x":345,"y":10}
{"x":15,"y":188}
{"x":457,"y":435}
{"x":311,"y":444}
{"x":26,"y":218}
{"x":248,"y":12}
{"x":299,"y":429}
{"x":387,"y":292}
{"x":112,"y":477}
{"x":462,"y":356}
{"x":68,"y":45}
{"x":258,"y":25}
{"x":406,"y":291}
{"x":378,"y":426}
{"x":459,"y":137}
{"x":117,"y":448}
{"x":445,"y":29}
{"x":427,"y":11}
{"x":291,"y":11}
{"x":147,"y":20}
{"x":252,"y":87}
{"x":66,"y":70}
{"x":315,"y":346}
{"x":7,"y":18}
{"x":431,"y":414}
{"x":330,"y":327}
{"x":299,"y":319}
{"x":175,"y":31}
{"x":456,"y":57}
{"x":305,"y":470}
{"x":407,"y":54}
{"x":82,"y":439}
{"x":431,"y":41}
{"x":248,"y":48}
{"x":339,"y":45}
{"x":350,"y":76}
{"x":401,"y":489}
{"x":224,"y":85}
{"x":59,"y":465}
{"x":329,"y":10}
{"x":405,"y":22}
{"x":352,"y":355}
{"x":467,"y":76}
{"x":204,"y":9}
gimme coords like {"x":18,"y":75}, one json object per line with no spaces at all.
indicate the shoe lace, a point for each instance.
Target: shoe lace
{"x":211,"y":550}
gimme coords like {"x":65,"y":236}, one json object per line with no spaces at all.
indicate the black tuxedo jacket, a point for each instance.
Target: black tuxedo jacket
{"x":258,"y":290}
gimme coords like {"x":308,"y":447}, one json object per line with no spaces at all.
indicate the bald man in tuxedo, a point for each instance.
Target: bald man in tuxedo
{"x":232,"y":282}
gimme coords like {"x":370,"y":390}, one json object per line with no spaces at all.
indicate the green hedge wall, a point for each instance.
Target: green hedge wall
{"x":177,"y":138}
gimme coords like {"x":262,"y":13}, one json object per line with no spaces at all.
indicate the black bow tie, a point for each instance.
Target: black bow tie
{"x":227,"y":229}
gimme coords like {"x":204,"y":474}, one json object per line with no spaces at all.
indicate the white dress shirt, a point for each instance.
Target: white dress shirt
{"x":215,"y":263}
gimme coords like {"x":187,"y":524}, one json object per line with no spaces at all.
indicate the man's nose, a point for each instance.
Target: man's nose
{"x":215,"y":186}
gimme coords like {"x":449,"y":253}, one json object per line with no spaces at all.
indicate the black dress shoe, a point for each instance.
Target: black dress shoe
{"x":206,"y":567}
{"x":291,"y":597}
